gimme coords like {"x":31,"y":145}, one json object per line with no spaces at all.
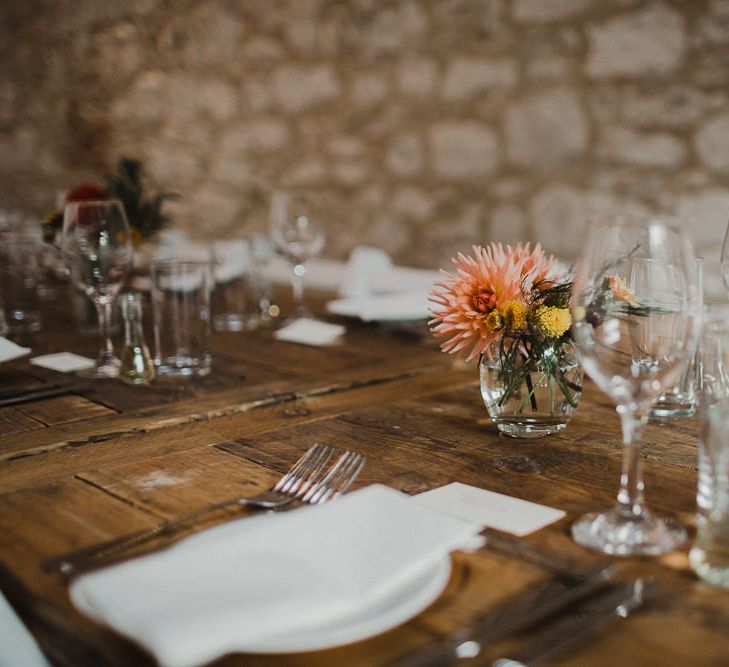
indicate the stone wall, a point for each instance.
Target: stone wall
{"x":422,"y":125}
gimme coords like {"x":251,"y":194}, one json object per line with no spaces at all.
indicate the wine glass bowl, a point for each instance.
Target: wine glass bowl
{"x":97,"y":248}
{"x":298,"y":236}
{"x":635,"y":325}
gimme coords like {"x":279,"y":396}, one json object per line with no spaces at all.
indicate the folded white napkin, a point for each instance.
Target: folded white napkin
{"x":383,"y":307}
{"x":309,"y":332}
{"x":10,"y":350}
{"x":269,"y":576}
{"x":17,"y":645}
{"x":364,"y":265}
{"x":63,"y":362}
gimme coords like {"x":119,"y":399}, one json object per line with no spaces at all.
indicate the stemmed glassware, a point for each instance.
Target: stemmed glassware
{"x":98,"y":250}
{"x":635,"y":323}
{"x":725,"y":259}
{"x":297,"y":234}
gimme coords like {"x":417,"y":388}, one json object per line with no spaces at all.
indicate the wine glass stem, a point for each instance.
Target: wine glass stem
{"x":297,"y":285}
{"x":630,"y":496}
{"x":106,"y":353}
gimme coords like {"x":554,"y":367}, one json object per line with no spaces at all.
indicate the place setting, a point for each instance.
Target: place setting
{"x":369,"y":334}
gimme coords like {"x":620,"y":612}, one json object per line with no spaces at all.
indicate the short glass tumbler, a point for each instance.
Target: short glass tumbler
{"x":529,"y":399}
{"x":181,"y":309}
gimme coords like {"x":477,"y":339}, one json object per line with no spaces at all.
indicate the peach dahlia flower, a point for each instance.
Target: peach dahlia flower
{"x":479,"y":286}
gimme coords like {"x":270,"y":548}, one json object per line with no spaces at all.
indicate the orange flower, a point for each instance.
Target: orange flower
{"x":481,"y":285}
{"x":620,"y":290}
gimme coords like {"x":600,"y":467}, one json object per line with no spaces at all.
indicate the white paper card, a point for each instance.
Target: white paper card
{"x":63,"y":362}
{"x":489,"y":509}
{"x":10,"y":350}
{"x":310,"y":332}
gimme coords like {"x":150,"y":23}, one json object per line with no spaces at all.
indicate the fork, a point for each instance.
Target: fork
{"x":303,"y":482}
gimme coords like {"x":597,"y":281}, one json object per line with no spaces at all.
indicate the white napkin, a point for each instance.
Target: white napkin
{"x":17,"y":646}
{"x":486,"y":508}
{"x":309,"y":332}
{"x":10,"y":351}
{"x":364,"y":265}
{"x":63,"y":362}
{"x":270,"y":575}
{"x":383,"y":307}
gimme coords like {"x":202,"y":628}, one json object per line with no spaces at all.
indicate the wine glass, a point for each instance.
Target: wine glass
{"x":635,"y":324}
{"x":98,"y":250}
{"x":725,"y":259}
{"x":297,"y":235}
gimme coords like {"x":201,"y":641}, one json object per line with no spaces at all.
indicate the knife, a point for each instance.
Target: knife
{"x":618,"y":600}
{"x":528,"y":609}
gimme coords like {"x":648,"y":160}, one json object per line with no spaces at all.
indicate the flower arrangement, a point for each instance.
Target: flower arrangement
{"x":509,"y":305}
{"x":144,"y":211}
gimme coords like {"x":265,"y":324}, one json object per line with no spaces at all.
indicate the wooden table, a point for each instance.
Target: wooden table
{"x":100,"y":459}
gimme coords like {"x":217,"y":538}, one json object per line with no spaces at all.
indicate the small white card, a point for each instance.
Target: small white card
{"x":63,"y":362}
{"x":310,"y":332}
{"x":489,"y":509}
{"x":10,"y":350}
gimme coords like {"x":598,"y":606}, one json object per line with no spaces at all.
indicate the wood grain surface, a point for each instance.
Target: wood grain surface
{"x":103,"y":459}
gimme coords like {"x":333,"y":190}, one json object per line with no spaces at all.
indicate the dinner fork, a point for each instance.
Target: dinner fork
{"x":304,"y":481}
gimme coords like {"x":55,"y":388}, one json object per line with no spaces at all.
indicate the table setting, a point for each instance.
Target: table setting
{"x":255,"y":472}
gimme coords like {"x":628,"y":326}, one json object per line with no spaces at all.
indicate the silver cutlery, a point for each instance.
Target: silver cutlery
{"x":617,"y":601}
{"x":308,"y":481}
{"x":527,"y":609}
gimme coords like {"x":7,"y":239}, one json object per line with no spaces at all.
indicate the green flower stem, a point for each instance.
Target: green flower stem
{"x":530,"y":395}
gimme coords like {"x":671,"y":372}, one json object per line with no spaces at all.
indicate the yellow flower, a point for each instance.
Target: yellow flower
{"x":515,"y":314}
{"x":552,"y":321}
{"x":494,"y":321}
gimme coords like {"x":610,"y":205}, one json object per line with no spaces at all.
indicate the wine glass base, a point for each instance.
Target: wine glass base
{"x":613,"y":533}
{"x":109,"y":369}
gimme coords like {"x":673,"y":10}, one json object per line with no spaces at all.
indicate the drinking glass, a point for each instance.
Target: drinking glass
{"x":98,"y":250}
{"x":297,"y":235}
{"x":636,"y":325}
{"x":19,"y":278}
{"x":232,"y":294}
{"x":181,"y":308}
{"x":681,"y":399}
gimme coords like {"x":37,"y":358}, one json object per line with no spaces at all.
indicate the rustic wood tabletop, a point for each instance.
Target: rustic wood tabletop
{"x":84,"y":461}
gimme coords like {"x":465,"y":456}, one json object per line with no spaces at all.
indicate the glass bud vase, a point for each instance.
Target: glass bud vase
{"x":531,"y":395}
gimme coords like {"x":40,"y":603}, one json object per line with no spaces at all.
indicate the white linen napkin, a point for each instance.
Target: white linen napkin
{"x":10,"y":350}
{"x":63,"y":362}
{"x":383,"y":307}
{"x":17,"y":645}
{"x":270,"y":575}
{"x":309,"y":332}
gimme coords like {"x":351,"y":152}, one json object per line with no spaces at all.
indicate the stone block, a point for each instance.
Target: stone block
{"x":302,"y":87}
{"x":712,"y":143}
{"x":679,"y":106}
{"x":368,"y":89}
{"x":644,"y":42}
{"x":656,"y":149}
{"x":174,"y":168}
{"x":707,"y":214}
{"x":258,"y":135}
{"x":416,"y":77}
{"x":547,"y":129}
{"x":463,"y":150}
{"x":405,"y":156}
{"x":507,"y":223}
{"x":466,"y":77}
{"x":413,"y":203}
{"x":547,"y":11}
{"x":559,"y":216}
